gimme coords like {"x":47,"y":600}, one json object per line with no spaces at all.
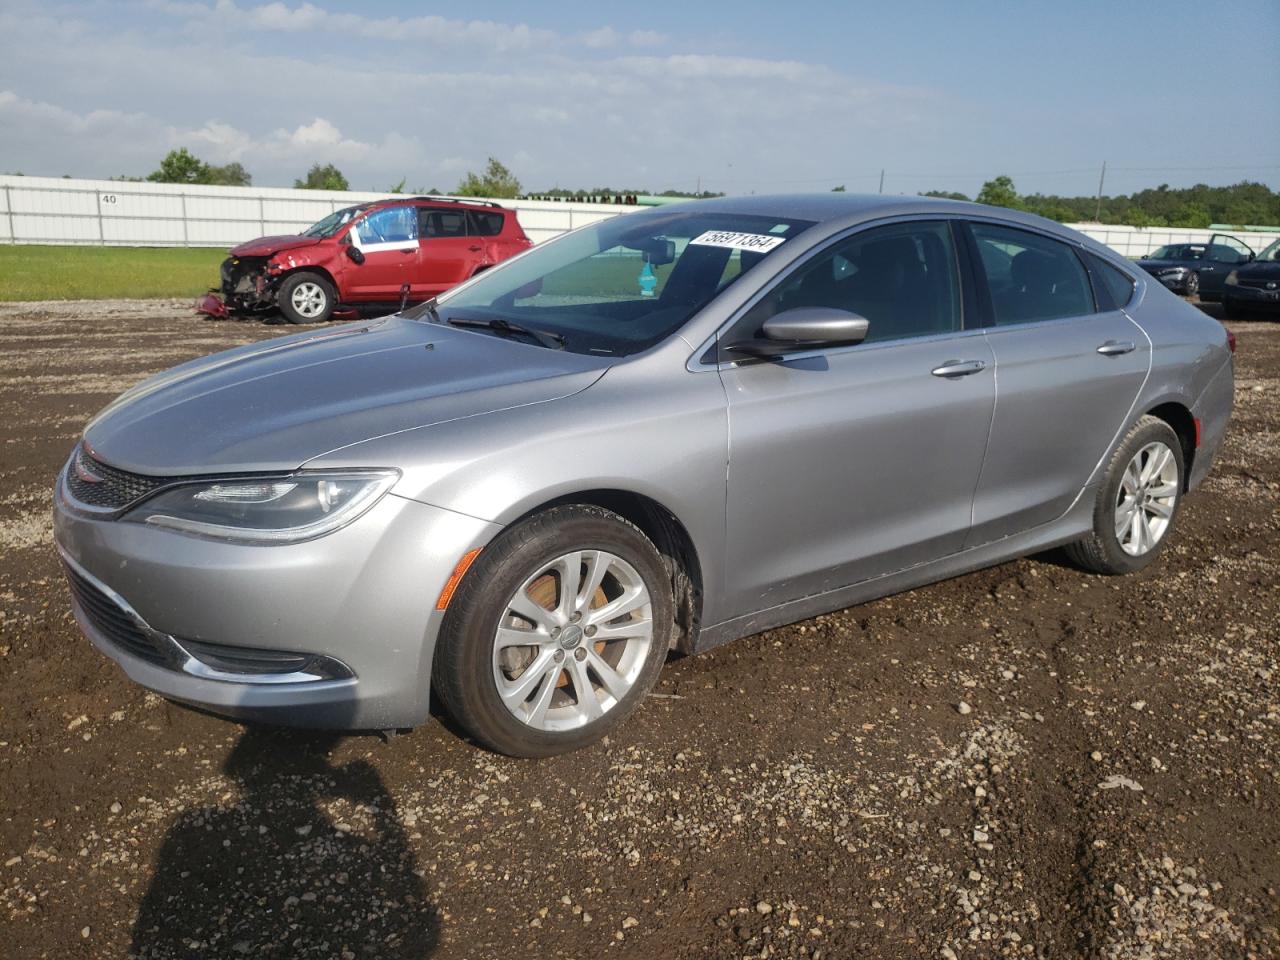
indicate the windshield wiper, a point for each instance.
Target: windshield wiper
{"x":552,"y":341}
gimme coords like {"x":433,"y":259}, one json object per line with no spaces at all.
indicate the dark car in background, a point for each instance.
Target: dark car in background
{"x":368,"y":258}
{"x":1197,"y":269}
{"x":1254,"y":286}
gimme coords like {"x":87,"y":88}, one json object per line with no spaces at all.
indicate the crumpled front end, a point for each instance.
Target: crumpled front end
{"x":247,"y":285}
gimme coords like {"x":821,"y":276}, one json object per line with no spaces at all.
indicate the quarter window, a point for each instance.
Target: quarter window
{"x":902,"y":278}
{"x":1031,"y":277}
{"x":1112,"y":287}
{"x":484,"y":223}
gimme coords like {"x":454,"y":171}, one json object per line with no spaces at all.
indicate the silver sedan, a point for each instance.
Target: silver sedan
{"x":657,"y":433}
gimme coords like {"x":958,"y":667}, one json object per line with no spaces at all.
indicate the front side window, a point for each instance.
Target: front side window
{"x":1031,"y":277}
{"x":624,"y":284}
{"x":389,"y":226}
{"x":902,"y":278}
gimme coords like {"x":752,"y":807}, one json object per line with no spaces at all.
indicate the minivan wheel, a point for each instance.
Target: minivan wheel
{"x":556,"y":632}
{"x":306,"y":298}
{"x":1138,"y":502}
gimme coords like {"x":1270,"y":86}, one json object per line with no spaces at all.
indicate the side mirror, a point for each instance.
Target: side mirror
{"x":355,"y":253}
{"x":805,"y":328}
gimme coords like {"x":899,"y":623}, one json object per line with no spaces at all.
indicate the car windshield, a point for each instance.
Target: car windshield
{"x":619,"y":286}
{"x":1271,"y":252}
{"x":1177,"y":251}
{"x":334,"y":222}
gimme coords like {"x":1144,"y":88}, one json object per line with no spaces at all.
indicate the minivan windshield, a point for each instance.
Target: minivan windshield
{"x":334,"y":222}
{"x":619,"y":286}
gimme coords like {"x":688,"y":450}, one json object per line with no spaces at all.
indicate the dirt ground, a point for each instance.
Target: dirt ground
{"x":1023,"y":762}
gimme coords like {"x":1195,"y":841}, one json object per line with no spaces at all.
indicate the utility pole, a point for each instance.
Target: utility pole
{"x":1097,"y":210}
{"x":881,"y":181}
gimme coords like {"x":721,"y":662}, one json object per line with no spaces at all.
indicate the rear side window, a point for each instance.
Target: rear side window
{"x":902,"y":278}
{"x":1112,"y":288}
{"x":484,"y":223}
{"x":437,"y":224}
{"x":1031,"y":277}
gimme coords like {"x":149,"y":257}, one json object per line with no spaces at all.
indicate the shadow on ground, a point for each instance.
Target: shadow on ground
{"x":309,"y":861}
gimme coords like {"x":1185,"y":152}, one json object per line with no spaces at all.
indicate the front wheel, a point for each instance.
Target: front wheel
{"x":1138,"y":502}
{"x":1192,"y":284}
{"x":558,"y":630}
{"x":306,"y":298}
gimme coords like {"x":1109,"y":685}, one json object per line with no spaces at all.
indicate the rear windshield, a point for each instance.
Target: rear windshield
{"x":622,"y":285}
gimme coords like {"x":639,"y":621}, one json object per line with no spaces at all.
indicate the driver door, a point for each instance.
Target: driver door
{"x":388,"y":240}
{"x":1223,"y":255}
{"x":851,"y":462}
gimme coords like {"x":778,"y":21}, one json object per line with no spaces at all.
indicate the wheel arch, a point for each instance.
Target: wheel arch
{"x":1178,"y":416}
{"x":668,"y":533}
{"x":308,"y":268}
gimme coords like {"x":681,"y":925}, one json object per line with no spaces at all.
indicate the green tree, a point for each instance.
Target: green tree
{"x":839,"y":189}
{"x":326,"y":177}
{"x":944,"y":195}
{"x":999,"y":192}
{"x":231,"y":175}
{"x":497,"y":181}
{"x":179,"y":166}
{"x":399,"y":187}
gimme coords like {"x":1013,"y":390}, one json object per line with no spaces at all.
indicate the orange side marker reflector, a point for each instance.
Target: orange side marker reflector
{"x":1196,"y":421}
{"x":455,"y":578}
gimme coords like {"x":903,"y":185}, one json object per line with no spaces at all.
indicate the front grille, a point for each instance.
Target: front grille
{"x":1256,"y":284}
{"x":95,"y":484}
{"x":111,"y":621}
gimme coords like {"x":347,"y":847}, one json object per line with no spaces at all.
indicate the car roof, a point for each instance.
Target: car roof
{"x":443,"y":201}
{"x":855,"y":207}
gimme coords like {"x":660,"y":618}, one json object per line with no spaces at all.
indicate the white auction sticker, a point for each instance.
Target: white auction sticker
{"x":759,"y":242}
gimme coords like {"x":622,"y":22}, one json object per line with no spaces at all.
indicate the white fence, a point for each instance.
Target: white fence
{"x":107,"y":212}
{"x":61,"y":211}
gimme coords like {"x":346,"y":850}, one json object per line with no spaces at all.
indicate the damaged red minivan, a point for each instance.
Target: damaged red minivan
{"x":369,"y":258}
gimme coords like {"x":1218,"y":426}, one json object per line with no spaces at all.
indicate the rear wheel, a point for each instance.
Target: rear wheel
{"x":306,"y":298}
{"x":558,"y":630}
{"x":1138,"y":503}
{"x":1192,"y":288}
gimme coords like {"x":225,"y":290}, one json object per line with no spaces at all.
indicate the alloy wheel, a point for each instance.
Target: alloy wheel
{"x":572,"y":640}
{"x":1146,"y":499}
{"x":308,"y":299}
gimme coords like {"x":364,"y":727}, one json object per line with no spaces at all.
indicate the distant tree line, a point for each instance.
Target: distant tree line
{"x":1241,"y":204}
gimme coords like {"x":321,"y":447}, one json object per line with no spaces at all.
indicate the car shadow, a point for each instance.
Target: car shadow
{"x":309,"y":861}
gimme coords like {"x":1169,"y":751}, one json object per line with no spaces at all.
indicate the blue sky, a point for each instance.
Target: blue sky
{"x":740,"y":97}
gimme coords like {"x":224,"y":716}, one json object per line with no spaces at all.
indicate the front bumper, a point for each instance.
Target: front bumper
{"x":362,"y":598}
{"x":1251,"y":298}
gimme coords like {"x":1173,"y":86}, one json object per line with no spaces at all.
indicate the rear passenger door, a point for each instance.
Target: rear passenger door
{"x":449,"y":254}
{"x":1069,"y":366}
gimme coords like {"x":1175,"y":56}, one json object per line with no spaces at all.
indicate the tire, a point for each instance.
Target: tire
{"x":1192,"y":286}
{"x":551,"y":696}
{"x":1117,"y":546}
{"x":305,"y":298}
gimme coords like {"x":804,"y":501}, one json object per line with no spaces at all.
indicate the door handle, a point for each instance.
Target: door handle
{"x":409,"y":250}
{"x":1207,"y":269}
{"x":959,"y":368}
{"x":1113,"y":348}
{"x":475,"y":249}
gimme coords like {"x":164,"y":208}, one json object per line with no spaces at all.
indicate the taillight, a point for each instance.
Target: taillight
{"x":1231,"y":341}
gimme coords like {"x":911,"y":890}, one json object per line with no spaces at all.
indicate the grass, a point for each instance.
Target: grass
{"x":37,"y":272}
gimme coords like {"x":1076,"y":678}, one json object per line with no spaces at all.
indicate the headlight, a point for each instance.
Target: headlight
{"x":1172,"y":271}
{"x":1232,"y":279}
{"x":267,"y":510}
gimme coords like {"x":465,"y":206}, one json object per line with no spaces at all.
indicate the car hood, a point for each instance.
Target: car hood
{"x":1259,"y":270}
{"x":275,"y":405}
{"x":266,"y":246}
